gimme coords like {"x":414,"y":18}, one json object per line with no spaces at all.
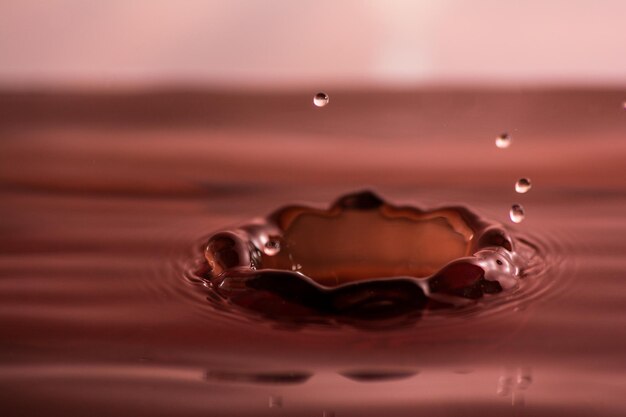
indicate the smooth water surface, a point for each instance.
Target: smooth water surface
{"x":106,"y":199}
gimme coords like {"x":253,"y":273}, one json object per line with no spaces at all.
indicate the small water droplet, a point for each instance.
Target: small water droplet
{"x":523,"y":185}
{"x":503,"y":141}
{"x":272,"y":247}
{"x":321,"y":99}
{"x":276,"y":401}
{"x":517,"y":213}
{"x":328,"y":414}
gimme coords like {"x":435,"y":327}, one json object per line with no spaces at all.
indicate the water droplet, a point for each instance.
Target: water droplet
{"x":276,"y":401}
{"x":272,"y":247}
{"x":321,"y":99}
{"x":503,"y":141}
{"x":517,"y":213}
{"x":523,"y":185}
{"x":328,"y":414}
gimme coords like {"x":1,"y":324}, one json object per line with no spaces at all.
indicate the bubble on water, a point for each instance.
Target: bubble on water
{"x":321,"y":99}
{"x":503,"y":141}
{"x":272,"y":247}
{"x":523,"y":185}
{"x":517,"y":213}
{"x":275,"y":401}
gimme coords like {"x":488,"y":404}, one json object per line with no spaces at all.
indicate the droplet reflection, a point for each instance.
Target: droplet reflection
{"x":275,"y":401}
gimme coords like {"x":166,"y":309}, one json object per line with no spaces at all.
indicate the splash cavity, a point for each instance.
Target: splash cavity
{"x":361,"y":259}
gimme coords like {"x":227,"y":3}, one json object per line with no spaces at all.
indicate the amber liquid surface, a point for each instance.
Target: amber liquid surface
{"x":106,"y":197}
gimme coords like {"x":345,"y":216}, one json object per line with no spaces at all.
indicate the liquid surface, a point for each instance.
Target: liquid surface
{"x":106,"y":199}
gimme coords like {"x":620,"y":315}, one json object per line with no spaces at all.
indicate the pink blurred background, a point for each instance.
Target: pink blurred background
{"x":285,"y":44}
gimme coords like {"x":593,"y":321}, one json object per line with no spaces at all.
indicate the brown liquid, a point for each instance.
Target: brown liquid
{"x":106,"y":201}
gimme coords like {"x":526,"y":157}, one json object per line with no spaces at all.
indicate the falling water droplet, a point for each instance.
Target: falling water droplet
{"x":272,"y":247}
{"x":517,"y":213}
{"x":503,"y":141}
{"x":523,"y":185}
{"x":276,"y":401}
{"x":321,"y":99}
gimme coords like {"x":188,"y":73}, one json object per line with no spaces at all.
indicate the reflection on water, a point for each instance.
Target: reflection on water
{"x":103,"y":196}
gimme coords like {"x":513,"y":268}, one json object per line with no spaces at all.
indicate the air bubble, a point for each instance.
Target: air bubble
{"x":517,"y":213}
{"x":523,"y":185}
{"x":503,"y":141}
{"x":321,"y":99}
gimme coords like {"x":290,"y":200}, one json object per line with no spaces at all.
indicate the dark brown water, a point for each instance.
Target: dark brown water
{"x":106,"y":200}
